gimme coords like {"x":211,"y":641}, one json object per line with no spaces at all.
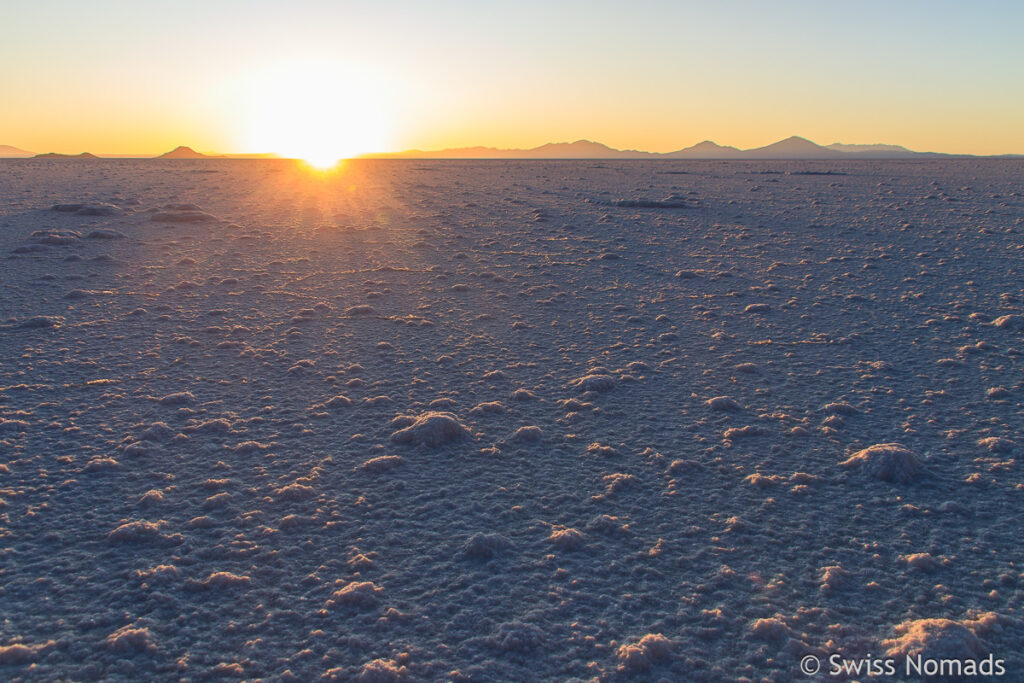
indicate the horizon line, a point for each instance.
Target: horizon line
{"x":723,"y":152}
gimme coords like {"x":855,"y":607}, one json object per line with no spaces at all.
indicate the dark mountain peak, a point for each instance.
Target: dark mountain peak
{"x":182,"y":152}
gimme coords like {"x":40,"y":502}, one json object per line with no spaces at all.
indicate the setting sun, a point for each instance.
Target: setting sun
{"x":320,"y":113}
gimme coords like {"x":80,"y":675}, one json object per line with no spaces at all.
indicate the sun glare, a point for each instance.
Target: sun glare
{"x":318,"y":112}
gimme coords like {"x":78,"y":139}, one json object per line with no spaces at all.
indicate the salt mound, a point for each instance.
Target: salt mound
{"x":55,"y":237}
{"x":607,"y":524}
{"x":833,"y":578}
{"x":839,"y":408}
{"x":1009,"y":322}
{"x":151,"y":497}
{"x":100,"y":209}
{"x":158,"y":431}
{"x":13,"y":426}
{"x":566,"y":538}
{"x":890,"y":462}
{"x":432,"y":429}
{"x":180,"y":398}
{"x":485,"y":546}
{"x":487,"y":408}
{"x":639,"y":656}
{"x":742,"y":432}
{"x":219,"y":580}
{"x":250,"y":447}
{"x":923,"y":561}
{"x":618,"y":481}
{"x":129,"y":640}
{"x":594,"y":382}
{"x":763,"y":481}
{"x":36,"y":322}
{"x":770,"y":629}
{"x":338,"y":401}
{"x":382,"y":463}
{"x":362,"y":309}
{"x":357,"y":594}
{"x":934,"y":639}
{"x":106,"y":235}
{"x":294,"y":492}
{"x":529,"y":433}
{"x":19,"y":653}
{"x":996,"y":444}
{"x":442,"y":403}
{"x":517,"y":636}
{"x":139,"y":531}
{"x":99,"y":464}
{"x":597,"y":449}
{"x":723,"y":403}
{"x":381,"y":671}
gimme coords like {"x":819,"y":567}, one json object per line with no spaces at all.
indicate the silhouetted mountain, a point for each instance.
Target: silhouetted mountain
{"x":55,"y":155}
{"x":705,"y":150}
{"x":182,"y":152}
{"x":8,"y":152}
{"x":792,"y":148}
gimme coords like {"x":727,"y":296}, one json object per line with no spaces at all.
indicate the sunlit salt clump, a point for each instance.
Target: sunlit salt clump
{"x":432,"y":429}
{"x":939,"y":638}
{"x":890,"y":462}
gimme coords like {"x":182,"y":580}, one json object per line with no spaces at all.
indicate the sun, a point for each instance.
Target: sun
{"x":319,"y":112}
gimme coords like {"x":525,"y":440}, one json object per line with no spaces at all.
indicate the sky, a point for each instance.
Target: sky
{"x":141,"y":77}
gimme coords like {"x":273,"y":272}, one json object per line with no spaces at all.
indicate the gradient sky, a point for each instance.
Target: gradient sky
{"x":139,"y":76}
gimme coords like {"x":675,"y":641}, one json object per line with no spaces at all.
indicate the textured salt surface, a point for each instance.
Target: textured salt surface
{"x":507,"y":421}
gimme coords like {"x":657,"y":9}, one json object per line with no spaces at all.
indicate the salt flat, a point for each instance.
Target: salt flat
{"x":507,"y":420}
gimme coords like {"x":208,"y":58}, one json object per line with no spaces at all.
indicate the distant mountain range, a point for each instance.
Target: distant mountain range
{"x":790,"y":148}
{"x":795,"y":148}
{"x":55,"y":155}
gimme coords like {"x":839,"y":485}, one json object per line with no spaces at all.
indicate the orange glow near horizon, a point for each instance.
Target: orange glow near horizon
{"x":318,"y":112}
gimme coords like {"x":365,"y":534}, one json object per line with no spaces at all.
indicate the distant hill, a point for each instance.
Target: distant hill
{"x":840,"y":147}
{"x":182,"y":152}
{"x":8,"y":152}
{"x":705,"y":150}
{"x":54,"y":155}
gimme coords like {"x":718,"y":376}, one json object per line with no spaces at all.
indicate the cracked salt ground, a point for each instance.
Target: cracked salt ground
{"x":507,"y":420}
